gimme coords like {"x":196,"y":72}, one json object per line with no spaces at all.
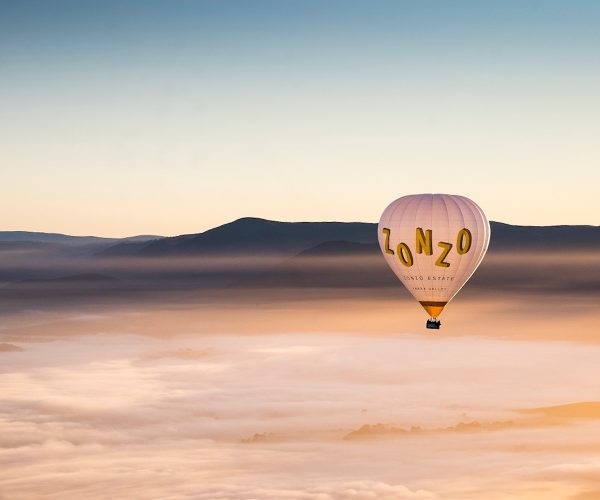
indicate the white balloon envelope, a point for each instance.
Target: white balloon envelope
{"x":433,"y":243}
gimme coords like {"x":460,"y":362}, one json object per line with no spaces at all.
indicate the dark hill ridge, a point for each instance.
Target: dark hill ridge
{"x":251,"y":235}
{"x":508,"y":237}
{"x":123,"y":249}
{"x":259,"y":236}
{"x":55,"y":238}
{"x":66,"y":239}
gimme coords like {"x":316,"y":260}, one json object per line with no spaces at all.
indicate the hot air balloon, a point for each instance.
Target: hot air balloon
{"x":433,"y":243}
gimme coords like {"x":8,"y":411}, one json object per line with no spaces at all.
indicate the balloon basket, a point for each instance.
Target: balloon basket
{"x":433,"y":324}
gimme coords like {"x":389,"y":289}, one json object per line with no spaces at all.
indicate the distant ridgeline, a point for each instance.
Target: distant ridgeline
{"x":259,"y":236}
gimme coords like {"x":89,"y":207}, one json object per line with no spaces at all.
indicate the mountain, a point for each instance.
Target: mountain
{"x":505,"y":237}
{"x":259,"y":236}
{"x":251,"y":236}
{"x":290,"y":254}
{"x":65,"y":239}
{"x":122,"y":249}
{"x":509,"y":237}
{"x":56,"y":238}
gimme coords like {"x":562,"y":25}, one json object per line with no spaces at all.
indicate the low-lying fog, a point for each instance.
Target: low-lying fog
{"x":307,"y":416}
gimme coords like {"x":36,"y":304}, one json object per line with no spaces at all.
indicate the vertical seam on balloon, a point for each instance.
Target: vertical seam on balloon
{"x":431,"y":197}
{"x":443,"y":196}
{"x":390,"y":219}
{"x":415,"y":226}
{"x":487,"y":233}
{"x":451,"y":203}
{"x":488,"y":228}
{"x":457,"y":201}
{"x":414,"y":202}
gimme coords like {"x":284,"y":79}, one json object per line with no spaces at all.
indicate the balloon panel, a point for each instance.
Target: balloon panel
{"x":433,"y":243}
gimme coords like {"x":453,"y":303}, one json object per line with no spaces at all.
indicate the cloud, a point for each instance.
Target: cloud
{"x":586,"y":471}
{"x":264,"y":416}
{"x":4,"y":347}
{"x":378,"y":430}
{"x":586,"y":410}
{"x":587,"y":495}
{"x":184,"y":353}
{"x":351,"y":490}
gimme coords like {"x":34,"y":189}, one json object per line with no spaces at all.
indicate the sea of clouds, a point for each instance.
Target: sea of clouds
{"x":315,"y":416}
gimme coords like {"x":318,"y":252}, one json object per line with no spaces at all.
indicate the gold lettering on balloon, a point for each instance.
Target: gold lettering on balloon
{"x":463,"y":241}
{"x":446,"y":250}
{"x":404,"y":254}
{"x":387,"y":232}
{"x":423,"y":242}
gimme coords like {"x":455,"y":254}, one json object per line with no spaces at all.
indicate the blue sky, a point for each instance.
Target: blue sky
{"x":174,"y":116}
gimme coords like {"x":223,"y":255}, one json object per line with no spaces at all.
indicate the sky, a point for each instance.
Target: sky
{"x":161,"y":117}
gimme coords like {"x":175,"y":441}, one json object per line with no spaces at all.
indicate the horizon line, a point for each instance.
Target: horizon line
{"x":157,"y":236}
